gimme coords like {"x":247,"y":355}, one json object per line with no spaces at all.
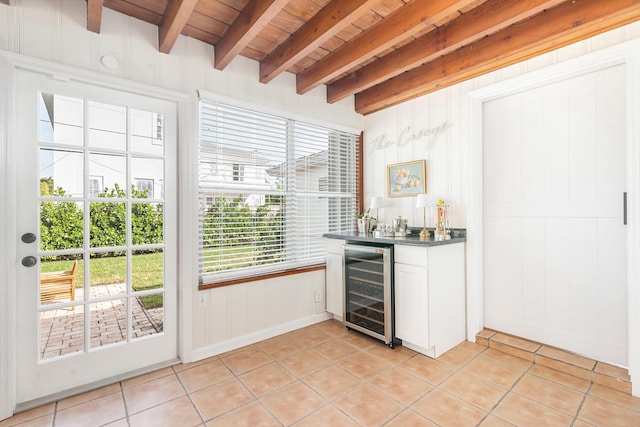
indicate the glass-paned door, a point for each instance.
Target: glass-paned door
{"x":97,"y":291}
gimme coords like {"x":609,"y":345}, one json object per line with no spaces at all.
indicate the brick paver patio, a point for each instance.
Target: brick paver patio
{"x":62,"y":330}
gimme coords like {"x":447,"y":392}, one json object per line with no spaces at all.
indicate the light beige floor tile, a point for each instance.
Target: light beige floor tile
{"x":250,"y":415}
{"x":566,"y":357}
{"x":513,"y":361}
{"x":427,"y":369}
{"x":457,"y":357}
{"x":486,"y":333}
{"x":612,"y":371}
{"x":516,"y":342}
{"x":492,"y":421}
{"x":183,"y":366}
{"x":178,"y":412}
{"x":604,"y":413}
{"x":472,"y":347}
{"x":304,"y":363}
{"x":395,"y":356}
{"x":327,"y":416}
{"x":90,"y":395}
{"x":147,"y":377}
{"x":118,"y":423}
{"x":279,"y":347}
{"x":30,"y":414}
{"x":365,"y":366}
{"x":360,"y":341}
{"x":552,"y":394}
{"x":495,"y":372}
{"x":293,"y":402}
{"x":201,"y":376}
{"x":615,"y":396}
{"x":335,"y":350}
{"x":96,"y":412}
{"x":474,"y":390}
{"x":246,"y":360}
{"x":152,"y":393}
{"x":560,"y":377}
{"x":220,"y":398}
{"x":43,"y":421}
{"x":521,"y":411}
{"x":310,"y":337}
{"x":332,"y":382}
{"x":409,"y":418}
{"x":401,"y":386}
{"x":332,"y":327}
{"x":563,"y":367}
{"x":266,"y":379}
{"x":444,"y":409}
{"x":369,"y":406}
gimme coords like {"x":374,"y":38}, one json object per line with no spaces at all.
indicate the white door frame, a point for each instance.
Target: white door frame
{"x":187,"y":208}
{"x":624,"y":53}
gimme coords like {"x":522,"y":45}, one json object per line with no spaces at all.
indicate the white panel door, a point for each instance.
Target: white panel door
{"x":555,"y":242}
{"x":97,"y":234}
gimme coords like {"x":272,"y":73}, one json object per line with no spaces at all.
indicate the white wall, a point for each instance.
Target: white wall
{"x":56,"y":31}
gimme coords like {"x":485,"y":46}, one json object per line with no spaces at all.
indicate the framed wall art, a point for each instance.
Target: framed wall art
{"x":407,"y":179}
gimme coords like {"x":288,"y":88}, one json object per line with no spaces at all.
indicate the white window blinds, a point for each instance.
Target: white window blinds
{"x":269,"y":188}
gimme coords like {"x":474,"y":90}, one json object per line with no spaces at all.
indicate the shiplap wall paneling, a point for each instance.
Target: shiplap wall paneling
{"x":555,"y":246}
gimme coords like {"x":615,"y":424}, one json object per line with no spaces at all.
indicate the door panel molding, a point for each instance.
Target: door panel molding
{"x":10,"y":64}
{"x":624,"y":53}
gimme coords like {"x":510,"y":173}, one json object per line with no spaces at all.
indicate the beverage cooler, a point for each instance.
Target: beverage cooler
{"x":368,"y":290}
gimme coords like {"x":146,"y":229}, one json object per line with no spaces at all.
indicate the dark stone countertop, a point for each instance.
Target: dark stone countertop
{"x":458,"y":235}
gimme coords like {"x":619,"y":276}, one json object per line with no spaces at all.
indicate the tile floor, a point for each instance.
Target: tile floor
{"x":323,"y":375}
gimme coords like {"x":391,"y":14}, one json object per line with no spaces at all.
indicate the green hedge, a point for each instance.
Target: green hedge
{"x":61,"y":223}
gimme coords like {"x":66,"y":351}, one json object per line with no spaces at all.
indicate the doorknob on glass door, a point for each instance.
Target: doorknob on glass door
{"x":29,"y":261}
{"x":28,"y":237}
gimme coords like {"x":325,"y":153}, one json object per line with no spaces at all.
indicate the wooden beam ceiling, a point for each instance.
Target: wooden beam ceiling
{"x":567,"y":23}
{"x":246,"y":27}
{"x":94,"y":15}
{"x":405,"y":22}
{"x":173,"y":22}
{"x":480,"y":22}
{"x":382,"y":51}
{"x":324,"y":25}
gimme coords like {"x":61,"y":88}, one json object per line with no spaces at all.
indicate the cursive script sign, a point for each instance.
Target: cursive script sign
{"x":407,"y":135}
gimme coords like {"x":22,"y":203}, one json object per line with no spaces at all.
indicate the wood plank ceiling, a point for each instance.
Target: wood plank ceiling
{"x":382,"y":51}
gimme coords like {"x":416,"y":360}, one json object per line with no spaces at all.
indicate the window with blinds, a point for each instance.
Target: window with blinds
{"x":269,"y":188}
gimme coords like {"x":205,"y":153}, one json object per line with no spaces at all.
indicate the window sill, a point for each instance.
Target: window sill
{"x":248,"y":279}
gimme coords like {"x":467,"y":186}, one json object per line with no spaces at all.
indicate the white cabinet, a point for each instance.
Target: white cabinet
{"x":334,"y":277}
{"x":430,"y":297}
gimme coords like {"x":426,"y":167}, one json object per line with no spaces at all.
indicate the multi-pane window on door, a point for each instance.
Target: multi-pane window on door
{"x":101,"y":226}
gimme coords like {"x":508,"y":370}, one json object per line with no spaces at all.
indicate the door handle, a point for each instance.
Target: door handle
{"x":28,"y":238}
{"x":624,"y":205}
{"x":29,"y":261}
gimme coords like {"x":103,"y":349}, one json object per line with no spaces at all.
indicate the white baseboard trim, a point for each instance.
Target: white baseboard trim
{"x":254,"y":337}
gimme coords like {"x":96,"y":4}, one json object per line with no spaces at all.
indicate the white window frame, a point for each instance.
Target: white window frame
{"x":347,"y":198}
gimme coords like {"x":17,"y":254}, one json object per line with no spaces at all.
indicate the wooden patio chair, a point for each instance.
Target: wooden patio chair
{"x":58,"y":285}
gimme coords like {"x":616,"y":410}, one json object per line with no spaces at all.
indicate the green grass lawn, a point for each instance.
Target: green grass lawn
{"x":148,"y":273}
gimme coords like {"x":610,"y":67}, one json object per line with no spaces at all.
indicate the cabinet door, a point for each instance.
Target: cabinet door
{"x":334,"y":278}
{"x":412,"y":299}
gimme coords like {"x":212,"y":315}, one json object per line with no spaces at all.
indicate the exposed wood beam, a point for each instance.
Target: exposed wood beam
{"x":173,"y":22}
{"x":567,"y":23}
{"x":253,"y":18}
{"x":94,"y":15}
{"x":134,"y":10}
{"x":484,"y":20}
{"x":408,"y":20}
{"x":325,"y":24}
